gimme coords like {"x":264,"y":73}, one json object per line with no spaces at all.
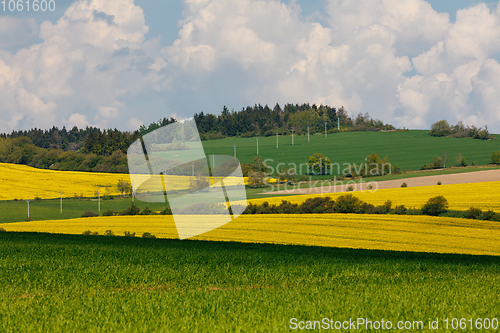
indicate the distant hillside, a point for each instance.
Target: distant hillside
{"x":93,"y":149}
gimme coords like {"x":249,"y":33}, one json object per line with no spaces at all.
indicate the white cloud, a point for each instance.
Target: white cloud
{"x":96,"y":64}
{"x":134,"y":123}
{"x":89,"y":63}
{"x":78,"y":120}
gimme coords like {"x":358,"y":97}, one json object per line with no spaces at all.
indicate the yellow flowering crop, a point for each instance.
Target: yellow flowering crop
{"x":384,"y":232}
{"x":24,"y":182}
{"x":484,"y":195}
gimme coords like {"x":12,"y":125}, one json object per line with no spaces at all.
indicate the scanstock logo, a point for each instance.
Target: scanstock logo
{"x":170,"y":165}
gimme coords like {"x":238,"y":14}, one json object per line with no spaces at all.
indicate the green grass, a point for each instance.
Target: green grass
{"x":62,"y":283}
{"x":17,"y":211}
{"x":409,"y":149}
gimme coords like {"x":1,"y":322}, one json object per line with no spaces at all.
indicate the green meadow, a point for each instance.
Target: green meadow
{"x":62,"y":283}
{"x":409,"y":149}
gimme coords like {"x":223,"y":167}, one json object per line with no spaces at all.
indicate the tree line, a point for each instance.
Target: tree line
{"x":262,"y":120}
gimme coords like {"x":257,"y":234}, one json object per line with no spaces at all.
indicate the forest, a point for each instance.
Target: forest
{"x":93,"y":149}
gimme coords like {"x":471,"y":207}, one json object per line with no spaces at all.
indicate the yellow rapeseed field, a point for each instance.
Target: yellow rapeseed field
{"x":23,"y":182}
{"x":484,"y":195}
{"x":385,"y":232}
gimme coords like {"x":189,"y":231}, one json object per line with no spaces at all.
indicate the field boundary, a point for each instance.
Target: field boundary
{"x":342,"y":186}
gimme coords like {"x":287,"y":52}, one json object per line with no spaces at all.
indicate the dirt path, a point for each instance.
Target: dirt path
{"x":456,"y":178}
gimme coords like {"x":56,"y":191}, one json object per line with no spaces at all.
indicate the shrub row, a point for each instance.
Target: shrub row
{"x":111,"y":233}
{"x":345,"y":204}
{"x":348,"y":203}
{"x":132,"y":210}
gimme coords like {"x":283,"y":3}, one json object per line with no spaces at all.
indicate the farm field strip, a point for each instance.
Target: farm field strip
{"x":362,"y":184}
{"x":76,"y":283}
{"x":409,"y":149}
{"x":381,"y":232}
{"x":23,"y":182}
{"x":484,"y":195}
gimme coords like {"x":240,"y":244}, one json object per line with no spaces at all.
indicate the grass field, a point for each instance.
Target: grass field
{"x":17,"y":211}
{"x":409,"y":149}
{"x":63,"y":283}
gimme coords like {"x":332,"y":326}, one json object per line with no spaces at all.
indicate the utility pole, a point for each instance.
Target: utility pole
{"x":276,"y":140}
{"x":28,"y":209}
{"x":192,"y":164}
{"x":61,"y":201}
{"x":338,"y":123}
{"x":257,"y":145}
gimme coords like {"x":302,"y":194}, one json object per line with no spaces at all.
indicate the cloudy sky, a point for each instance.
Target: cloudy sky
{"x":123,"y":63}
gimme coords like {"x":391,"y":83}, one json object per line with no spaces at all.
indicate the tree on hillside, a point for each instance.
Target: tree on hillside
{"x":460,"y":160}
{"x":319,"y":164}
{"x":124,"y":187}
{"x":440,"y":128}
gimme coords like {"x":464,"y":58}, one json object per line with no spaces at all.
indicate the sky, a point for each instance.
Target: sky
{"x":124,"y":63}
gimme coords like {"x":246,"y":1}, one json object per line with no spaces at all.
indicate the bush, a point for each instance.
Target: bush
{"x":387,"y":206}
{"x":3,"y":230}
{"x":147,"y":211}
{"x":148,"y":235}
{"x":347,"y":204}
{"x":286,"y":207}
{"x":109,"y":233}
{"x":87,"y":233}
{"x":317,"y":205}
{"x":439,"y":182}
{"x":318,"y":164}
{"x":129,"y":234}
{"x":437,"y":162}
{"x":89,"y":213}
{"x":487,"y":215}
{"x":495,"y":157}
{"x":435,"y":206}
{"x":350,"y":189}
{"x":166,"y":211}
{"x":400,"y":210}
{"x":132,"y":210}
{"x":109,"y":212}
{"x":404,"y":185}
{"x":396,"y":170}
{"x":440,"y":128}
{"x":473,"y":213}
{"x":460,"y":160}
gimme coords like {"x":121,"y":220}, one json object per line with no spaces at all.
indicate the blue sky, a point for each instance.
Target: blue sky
{"x":122,"y":63}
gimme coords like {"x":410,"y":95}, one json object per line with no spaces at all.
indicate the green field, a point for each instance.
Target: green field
{"x":17,"y":211}
{"x":409,"y":149}
{"x":63,"y":283}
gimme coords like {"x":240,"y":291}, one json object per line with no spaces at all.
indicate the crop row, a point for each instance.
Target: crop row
{"x":387,"y":232}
